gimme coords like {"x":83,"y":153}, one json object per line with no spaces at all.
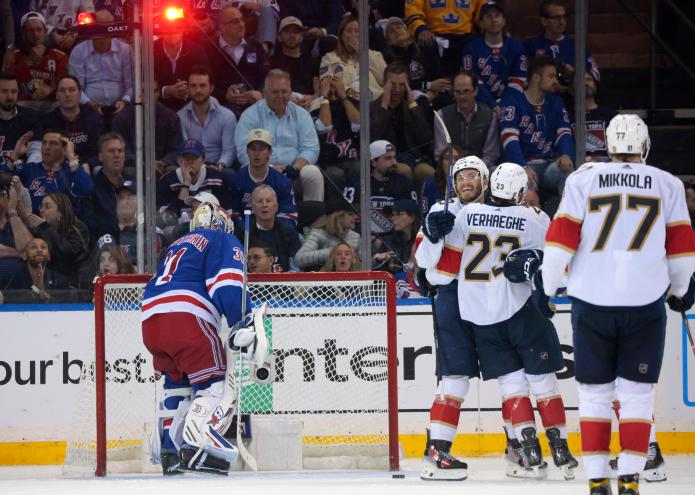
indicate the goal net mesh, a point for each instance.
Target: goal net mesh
{"x":328,"y":369}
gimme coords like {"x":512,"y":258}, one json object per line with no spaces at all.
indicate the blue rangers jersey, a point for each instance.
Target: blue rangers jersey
{"x":561,"y":50}
{"x":242,"y":185}
{"x":496,"y":67}
{"x":532,"y":132}
{"x":201,"y":274}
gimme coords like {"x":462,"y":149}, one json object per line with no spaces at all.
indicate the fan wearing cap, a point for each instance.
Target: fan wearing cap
{"x":259,"y":148}
{"x":387,"y":185}
{"x":37,"y":66}
{"x":422,"y":61}
{"x":61,"y":19}
{"x":395,"y":247}
{"x":301,"y":65}
{"x":337,"y":225}
{"x":498,"y":61}
{"x":191,"y":177}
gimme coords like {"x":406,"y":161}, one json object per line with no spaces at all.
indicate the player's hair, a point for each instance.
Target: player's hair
{"x":543,"y":9}
{"x":538,"y":64}
{"x":122,"y":262}
{"x":341,"y":50}
{"x":108,"y":136}
{"x":62,"y":134}
{"x":465,"y":73}
{"x":8,"y":76}
{"x":67,"y":214}
{"x":276,"y":74}
{"x":329,"y":265}
{"x":396,"y":68}
{"x":202,"y":70}
{"x":72,"y":78}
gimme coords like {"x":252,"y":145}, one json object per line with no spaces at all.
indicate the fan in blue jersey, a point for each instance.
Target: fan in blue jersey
{"x":259,"y":147}
{"x":553,"y":43}
{"x":198,"y":282}
{"x":535,"y":129}
{"x":497,"y":61}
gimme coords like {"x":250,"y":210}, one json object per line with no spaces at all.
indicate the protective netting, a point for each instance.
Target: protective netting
{"x":328,"y":369}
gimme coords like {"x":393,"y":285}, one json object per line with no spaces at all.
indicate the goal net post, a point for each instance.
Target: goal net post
{"x":333,"y":370}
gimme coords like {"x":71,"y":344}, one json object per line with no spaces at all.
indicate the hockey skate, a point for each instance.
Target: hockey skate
{"x":441,"y":465}
{"x":653,"y":468}
{"x":628,"y":484}
{"x":533,"y":456}
{"x":171,"y":464}
{"x":562,"y":456}
{"x":200,"y":461}
{"x":600,"y":486}
{"x":514,"y":461}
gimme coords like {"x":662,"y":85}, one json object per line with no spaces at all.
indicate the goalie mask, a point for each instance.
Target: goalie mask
{"x":212,"y":217}
{"x":471,"y":162}
{"x":509,"y":181}
{"x":628,"y":134}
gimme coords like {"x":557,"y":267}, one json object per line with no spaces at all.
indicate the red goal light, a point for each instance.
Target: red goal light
{"x":173,"y":14}
{"x":85,"y":18}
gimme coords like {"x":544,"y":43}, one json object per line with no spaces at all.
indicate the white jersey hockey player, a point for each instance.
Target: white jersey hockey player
{"x":516,"y":343}
{"x":623,"y":233}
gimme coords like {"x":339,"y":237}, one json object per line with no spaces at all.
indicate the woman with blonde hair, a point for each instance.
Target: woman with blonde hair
{"x":343,"y":258}
{"x":326,"y":232}
{"x":343,"y":62}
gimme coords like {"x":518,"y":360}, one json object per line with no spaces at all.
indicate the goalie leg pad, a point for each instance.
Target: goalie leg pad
{"x":206,"y":422}
{"x":174,"y":399}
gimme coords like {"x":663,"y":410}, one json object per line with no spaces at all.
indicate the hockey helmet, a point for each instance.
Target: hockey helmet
{"x":628,"y":134}
{"x":474,"y":163}
{"x":213,"y":217}
{"x":509,"y":181}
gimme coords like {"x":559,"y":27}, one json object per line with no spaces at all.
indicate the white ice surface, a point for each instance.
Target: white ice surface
{"x":486,"y":478}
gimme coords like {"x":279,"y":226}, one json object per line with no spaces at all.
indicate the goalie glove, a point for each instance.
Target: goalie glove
{"x":521,"y":265}
{"x":248,"y":336}
{"x":438,"y":224}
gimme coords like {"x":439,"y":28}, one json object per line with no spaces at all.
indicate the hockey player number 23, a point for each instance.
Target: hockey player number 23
{"x":614,"y":204}
{"x":170,"y":264}
{"x":471,"y":273}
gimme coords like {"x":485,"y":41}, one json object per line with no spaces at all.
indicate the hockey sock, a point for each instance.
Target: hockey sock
{"x":507,"y":419}
{"x":444,"y":414}
{"x":636,"y":409}
{"x":522,"y":414}
{"x":595,"y":426}
{"x":549,"y":401}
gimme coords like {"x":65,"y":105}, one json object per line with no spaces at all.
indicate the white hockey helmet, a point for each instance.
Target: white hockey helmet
{"x":509,"y":181}
{"x":213,"y":217}
{"x":627,"y":133}
{"x":473,"y":162}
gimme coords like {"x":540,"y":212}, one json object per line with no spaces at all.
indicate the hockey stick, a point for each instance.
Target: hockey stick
{"x":687,"y":328}
{"x":243,"y":451}
{"x":437,"y":362}
{"x":447,"y":138}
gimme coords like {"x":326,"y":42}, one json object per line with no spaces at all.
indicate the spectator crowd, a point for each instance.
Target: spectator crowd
{"x":258,"y":107}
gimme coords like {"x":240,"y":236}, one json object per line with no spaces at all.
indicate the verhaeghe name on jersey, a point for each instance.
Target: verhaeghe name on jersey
{"x":625,"y":179}
{"x":495,"y":220}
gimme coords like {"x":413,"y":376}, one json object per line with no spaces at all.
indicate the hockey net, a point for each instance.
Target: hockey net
{"x":333,"y":367}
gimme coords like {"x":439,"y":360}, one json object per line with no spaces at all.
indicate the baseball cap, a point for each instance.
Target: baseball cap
{"x":490,"y":5}
{"x":32,"y":16}
{"x":192,"y":147}
{"x":290,"y":21}
{"x":390,"y":22}
{"x":380,"y":148}
{"x":203,"y":197}
{"x":406,"y":205}
{"x":128,"y":185}
{"x":259,"y":135}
